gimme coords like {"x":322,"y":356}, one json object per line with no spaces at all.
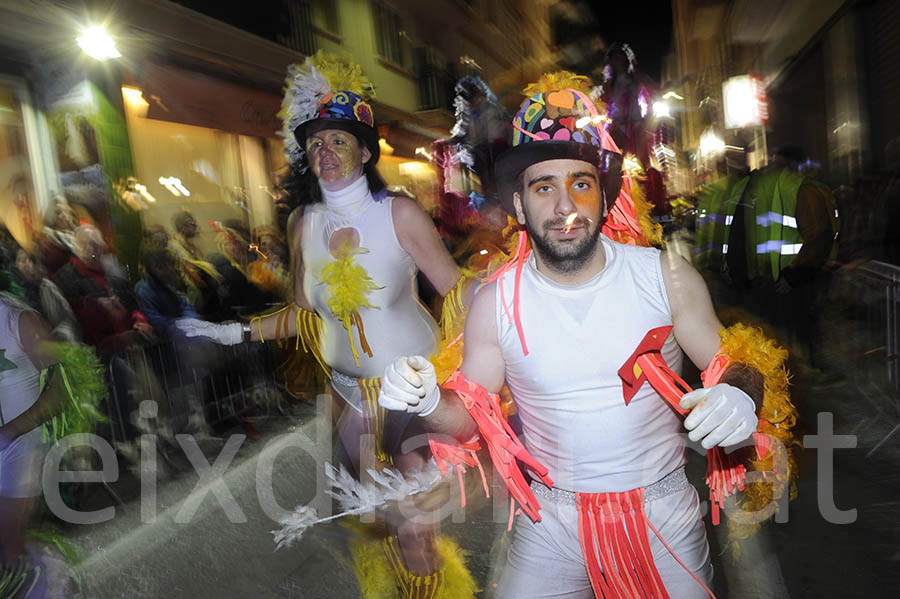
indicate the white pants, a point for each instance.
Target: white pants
{"x":21,"y":464}
{"x":545,"y":558}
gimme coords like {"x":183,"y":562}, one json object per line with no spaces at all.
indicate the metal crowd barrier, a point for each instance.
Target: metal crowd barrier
{"x":874,"y":289}
{"x":882,"y":281}
{"x":220,"y":382}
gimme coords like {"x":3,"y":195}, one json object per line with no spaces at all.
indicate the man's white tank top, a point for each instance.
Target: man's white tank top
{"x":21,"y":386}
{"x":400,"y":325}
{"x":567,"y":390}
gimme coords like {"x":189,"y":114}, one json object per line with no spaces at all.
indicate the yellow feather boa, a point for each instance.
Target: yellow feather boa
{"x":449,"y":355}
{"x":348,"y":291}
{"x":748,"y":345}
{"x":378,"y":574}
{"x":556,"y":81}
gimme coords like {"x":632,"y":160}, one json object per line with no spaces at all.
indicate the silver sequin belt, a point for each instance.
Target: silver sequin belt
{"x":342,"y":379}
{"x":671,"y":483}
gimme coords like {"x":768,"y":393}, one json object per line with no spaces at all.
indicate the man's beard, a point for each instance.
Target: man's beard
{"x":564,"y":258}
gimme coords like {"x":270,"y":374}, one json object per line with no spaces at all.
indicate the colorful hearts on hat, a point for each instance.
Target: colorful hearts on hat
{"x":547,"y":123}
{"x":568,"y":122}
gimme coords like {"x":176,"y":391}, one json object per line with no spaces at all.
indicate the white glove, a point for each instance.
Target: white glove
{"x":724,"y":416}
{"x":410,"y":385}
{"x":231,"y":333}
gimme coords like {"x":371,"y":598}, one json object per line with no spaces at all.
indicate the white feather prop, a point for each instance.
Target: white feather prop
{"x":306,"y":87}
{"x":356,"y":498}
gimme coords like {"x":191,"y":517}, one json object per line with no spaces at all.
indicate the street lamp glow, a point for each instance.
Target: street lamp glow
{"x":96,"y":43}
{"x":661,"y":109}
{"x":710,"y":143}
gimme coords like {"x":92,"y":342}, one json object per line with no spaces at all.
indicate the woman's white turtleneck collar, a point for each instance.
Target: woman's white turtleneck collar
{"x":350,"y":201}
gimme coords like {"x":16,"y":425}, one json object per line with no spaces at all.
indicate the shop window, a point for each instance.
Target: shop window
{"x":217,"y":175}
{"x":391,"y":35}
{"x":18,"y":212}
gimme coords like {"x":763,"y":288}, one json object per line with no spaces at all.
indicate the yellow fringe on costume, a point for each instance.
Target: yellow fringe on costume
{"x":557,"y":81}
{"x":747,"y":345}
{"x":452,"y":581}
{"x":449,"y":354}
{"x":309,"y":331}
{"x":348,"y":290}
{"x":343,"y":74}
{"x":370,"y":564}
{"x":374,"y":416}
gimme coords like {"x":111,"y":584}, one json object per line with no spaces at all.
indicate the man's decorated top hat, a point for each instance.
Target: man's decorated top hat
{"x":558,"y":120}
{"x":326,"y":92}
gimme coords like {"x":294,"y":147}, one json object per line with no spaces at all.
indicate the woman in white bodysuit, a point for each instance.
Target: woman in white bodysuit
{"x":359,"y":252}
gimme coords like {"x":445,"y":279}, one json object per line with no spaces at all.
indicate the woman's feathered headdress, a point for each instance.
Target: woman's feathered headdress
{"x":324,"y":86}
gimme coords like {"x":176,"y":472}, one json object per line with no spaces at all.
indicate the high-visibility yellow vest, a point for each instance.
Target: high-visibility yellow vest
{"x":715,"y":212}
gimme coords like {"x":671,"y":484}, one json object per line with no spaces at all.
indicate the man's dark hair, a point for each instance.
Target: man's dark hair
{"x":180,"y":219}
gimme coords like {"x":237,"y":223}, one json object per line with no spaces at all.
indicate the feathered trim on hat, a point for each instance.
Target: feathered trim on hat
{"x":558,"y":80}
{"x":311,"y":84}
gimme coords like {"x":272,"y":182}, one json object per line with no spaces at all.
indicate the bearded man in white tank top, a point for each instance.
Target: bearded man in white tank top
{"x":584,"y":303}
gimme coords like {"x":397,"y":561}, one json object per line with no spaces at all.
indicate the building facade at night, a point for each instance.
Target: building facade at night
{"x":189,"y":109}
{"x":829,"y":69}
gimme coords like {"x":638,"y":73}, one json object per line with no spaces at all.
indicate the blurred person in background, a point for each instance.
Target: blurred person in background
{"x":110,"y":320}
{"x":780,"y":241}
{"x":201,"y":276}
{"x":238,"y":294}
{"x":42,"y":294}
{"x":627,"y":93}
{"x":104,"y":305}
{"x":163,"y":303}
{"x":269,"y":271}
{"x":58,"y":241}
{"x":158,"y":293}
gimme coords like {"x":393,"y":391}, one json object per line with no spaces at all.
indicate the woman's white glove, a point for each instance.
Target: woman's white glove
{"x":231,"y":333}
{"x":410,"y":385}
{"x":721,"y":415}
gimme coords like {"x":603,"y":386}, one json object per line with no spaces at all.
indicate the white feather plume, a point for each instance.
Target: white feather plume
{"x":293,"y":527}
{"x":306,"y":87}
{"x":356,"y":498}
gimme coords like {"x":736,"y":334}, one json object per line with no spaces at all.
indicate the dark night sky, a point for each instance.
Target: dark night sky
{"x":646,"y":25}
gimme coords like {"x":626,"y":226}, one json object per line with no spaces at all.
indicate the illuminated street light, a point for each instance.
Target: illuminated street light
{"x":710,"y":143}
{"x":661,"y":109}
{"x":175,"y":187}
{"x":96,"y":43}
{"x":745,"y":102}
